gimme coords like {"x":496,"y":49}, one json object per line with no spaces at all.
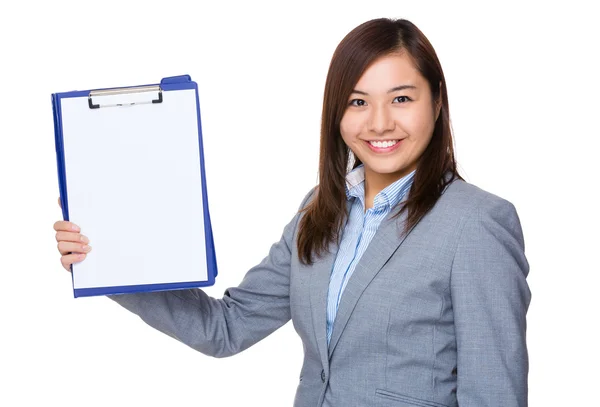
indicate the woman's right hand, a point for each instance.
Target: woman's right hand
{"x":72,"y":245}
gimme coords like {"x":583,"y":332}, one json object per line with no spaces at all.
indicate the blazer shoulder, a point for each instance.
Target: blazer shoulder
{"x":475,"y":202}
{"x":469,"y":197}
{"x":308,"y":197}
{"x":312,"y":193}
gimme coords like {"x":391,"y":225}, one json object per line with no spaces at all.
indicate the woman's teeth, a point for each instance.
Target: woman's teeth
{"x":383,"y":144}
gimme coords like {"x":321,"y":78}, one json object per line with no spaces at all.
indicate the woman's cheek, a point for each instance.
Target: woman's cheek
{"x":416,"y":126}
{"x":350,"y":127}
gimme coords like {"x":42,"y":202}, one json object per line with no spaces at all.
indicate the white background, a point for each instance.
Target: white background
{"x":523,"y":86}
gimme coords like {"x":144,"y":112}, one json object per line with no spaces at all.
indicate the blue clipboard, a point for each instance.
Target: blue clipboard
{"x":101,"y":137}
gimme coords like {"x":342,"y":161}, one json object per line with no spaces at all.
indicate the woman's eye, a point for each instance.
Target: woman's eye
{"x":402,"y":99}
{"x":357,"y":102}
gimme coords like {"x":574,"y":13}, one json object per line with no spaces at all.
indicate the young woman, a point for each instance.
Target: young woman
{"x":406,"y":284}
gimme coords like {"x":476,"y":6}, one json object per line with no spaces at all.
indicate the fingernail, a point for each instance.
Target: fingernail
{"x":75,"y":228}
{"x":87,"y":248}
{"x":84,"y":239}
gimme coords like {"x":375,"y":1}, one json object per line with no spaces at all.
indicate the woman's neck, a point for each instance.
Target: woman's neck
{"x":376,"y":182}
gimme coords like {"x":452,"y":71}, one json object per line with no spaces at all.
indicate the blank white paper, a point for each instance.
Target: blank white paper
{"x":134,"y":187}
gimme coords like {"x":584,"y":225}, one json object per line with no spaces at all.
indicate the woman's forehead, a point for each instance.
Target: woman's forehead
{"x":388,"y":72}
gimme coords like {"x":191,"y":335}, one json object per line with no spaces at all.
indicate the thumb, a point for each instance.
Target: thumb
{"x":59,"y":204}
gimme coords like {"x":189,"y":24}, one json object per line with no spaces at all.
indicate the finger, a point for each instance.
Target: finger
{"x":70,"y":247}
{"x":66,"y":226}
{"x":69,"y":259}
{"x":71,"y":237}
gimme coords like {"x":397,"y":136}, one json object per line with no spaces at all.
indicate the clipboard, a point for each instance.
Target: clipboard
{"x":131,"y":174}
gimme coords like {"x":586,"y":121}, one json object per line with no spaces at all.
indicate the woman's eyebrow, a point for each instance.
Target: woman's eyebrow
{"x":395,"y":89}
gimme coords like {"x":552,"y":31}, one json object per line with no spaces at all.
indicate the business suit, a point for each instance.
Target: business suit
{"x":434,"y":317}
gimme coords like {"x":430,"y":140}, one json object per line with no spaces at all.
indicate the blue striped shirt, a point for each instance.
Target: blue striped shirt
{"x":359,"y":231}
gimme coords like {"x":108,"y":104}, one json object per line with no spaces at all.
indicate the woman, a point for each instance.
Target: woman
{"x":406,"y":284}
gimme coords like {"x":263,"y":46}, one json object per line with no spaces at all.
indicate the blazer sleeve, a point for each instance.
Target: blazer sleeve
{"x":490,"y":298}
{"x":226,"y":326}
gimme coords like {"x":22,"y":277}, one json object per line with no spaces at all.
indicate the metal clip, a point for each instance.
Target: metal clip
{"x":122,"y":91}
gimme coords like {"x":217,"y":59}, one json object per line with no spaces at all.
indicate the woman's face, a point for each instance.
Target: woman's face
{"x":389,"y":119}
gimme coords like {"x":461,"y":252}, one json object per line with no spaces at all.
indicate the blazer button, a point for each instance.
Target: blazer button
{"x":323,"y":375}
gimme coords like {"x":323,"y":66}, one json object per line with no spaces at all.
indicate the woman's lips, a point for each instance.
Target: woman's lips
{"x":384,"y":149}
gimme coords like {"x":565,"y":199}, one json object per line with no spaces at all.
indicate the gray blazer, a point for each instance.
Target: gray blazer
{"x":432,"y":318}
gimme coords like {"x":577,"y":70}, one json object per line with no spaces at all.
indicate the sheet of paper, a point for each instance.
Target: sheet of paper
{"x":134,"y":187}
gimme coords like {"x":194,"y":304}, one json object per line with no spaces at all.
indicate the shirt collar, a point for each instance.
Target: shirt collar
{"x":387,"y":198}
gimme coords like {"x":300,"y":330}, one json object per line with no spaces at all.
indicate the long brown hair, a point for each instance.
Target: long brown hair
{"x":325,"y":215}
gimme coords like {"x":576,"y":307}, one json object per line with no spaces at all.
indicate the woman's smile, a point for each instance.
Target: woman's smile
{"x":381,"y":147}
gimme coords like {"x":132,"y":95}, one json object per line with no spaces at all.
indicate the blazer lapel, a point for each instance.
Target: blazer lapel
{"x":386,"y":241}
{"x":319,"y":285}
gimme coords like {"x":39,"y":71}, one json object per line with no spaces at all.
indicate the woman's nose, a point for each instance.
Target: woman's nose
{"x":381,"y":120}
